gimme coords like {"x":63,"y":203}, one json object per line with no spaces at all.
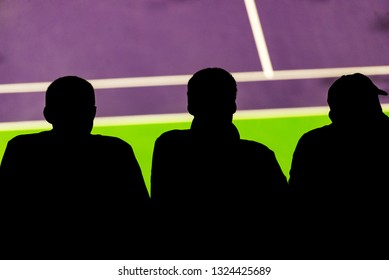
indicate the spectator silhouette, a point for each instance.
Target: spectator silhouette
{"x":69,"y":193}
{"x":339,"y":174}
{"x":212,"y":191}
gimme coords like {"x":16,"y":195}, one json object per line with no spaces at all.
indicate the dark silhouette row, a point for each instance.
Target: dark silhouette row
{"x":68,"y":194}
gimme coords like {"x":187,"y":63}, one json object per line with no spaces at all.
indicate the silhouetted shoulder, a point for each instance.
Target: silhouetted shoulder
{"x":309,"y":152}
{"x":30,"y":139}
{"x":92,"y":159}
{"x":43,"y":136}
{"x":46,"y":142}
{"x":256,"y":147}
{"x":119,"y":161}
{"x":317,"y":133}
{"x":111,"y":142}
{"x":23,"y":148}
{"x":263,"y":161}
{"x":257,"y":152}
{"x":176,"y":134}
{"x":315,"y":141}
{"x":171,"y":143}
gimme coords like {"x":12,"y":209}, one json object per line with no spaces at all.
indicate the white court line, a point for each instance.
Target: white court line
{"x":259,"y":38}
{"x":180,"y":117}
{"x":255,"y":76}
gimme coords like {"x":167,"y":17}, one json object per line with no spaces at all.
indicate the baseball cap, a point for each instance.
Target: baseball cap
{"x":354,"y":89}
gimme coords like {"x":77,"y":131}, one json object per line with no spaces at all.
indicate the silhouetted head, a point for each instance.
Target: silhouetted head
{"x":212,"y":95}
{"x":354,"y":98}
{"x":70,"y":105}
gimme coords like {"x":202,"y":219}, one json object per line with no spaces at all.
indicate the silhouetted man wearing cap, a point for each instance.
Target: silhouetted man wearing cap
{"x":340,"y":173}
{"x":214,"y":193}
{"x":68,"y":193}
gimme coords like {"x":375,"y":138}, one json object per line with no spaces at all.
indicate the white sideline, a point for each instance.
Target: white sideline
{"x":254,"y":76}
{"x":180,"y":117}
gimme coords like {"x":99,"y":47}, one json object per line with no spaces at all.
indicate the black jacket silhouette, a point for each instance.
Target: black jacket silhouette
{"x":199,"y":168}
{"x":68,"y":193}
{"x":339,"y":175}
{"x":218,"y":194}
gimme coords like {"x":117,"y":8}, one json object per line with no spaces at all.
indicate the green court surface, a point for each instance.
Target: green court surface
{"x":279,"y":134}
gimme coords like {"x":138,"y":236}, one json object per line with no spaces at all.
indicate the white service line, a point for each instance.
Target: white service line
{"x":254,"y":76}
{"x":180,"y":117}
{"x":259,"y":38}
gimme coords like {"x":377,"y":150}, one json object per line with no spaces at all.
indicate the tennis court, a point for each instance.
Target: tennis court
{"x":139,"y":56}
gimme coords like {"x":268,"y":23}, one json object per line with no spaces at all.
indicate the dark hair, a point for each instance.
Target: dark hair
{"x":354,"y":96}
{"x":212,"y":89}
{"x":70,"y":91}
{"x":70,"y":104}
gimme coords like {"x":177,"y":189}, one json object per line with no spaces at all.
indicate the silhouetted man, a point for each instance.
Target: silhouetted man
{"x":214,"y":193}
{"x":68,"y":193}
{"x":340,"y":173}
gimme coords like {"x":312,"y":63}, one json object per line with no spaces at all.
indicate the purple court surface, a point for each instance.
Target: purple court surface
{"x":41,"y":40}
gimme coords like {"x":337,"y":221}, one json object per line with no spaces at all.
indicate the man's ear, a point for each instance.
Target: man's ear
{"x":94,"y":110}
{"x":332,"y":115}
{"x":47,"y":113}
{"x":191,"y":110}
{"x":234,"y":108}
